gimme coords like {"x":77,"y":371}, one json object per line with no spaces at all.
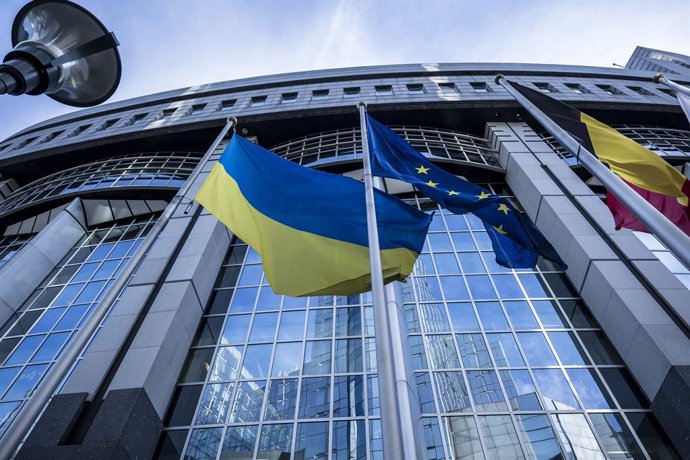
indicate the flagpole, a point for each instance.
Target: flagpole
{"x":660,"y":78}
{"x":391,"y":415}
{"x":28,"y":414}
{"x":667,"y":232}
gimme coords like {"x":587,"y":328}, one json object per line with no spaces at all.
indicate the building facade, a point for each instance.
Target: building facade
{"x":199,"y":359}
{"x":653,"y":60}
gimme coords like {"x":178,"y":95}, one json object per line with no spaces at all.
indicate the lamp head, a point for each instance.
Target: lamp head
{"x":62,"y":50}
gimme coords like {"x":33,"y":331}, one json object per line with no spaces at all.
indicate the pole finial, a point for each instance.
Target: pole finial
{"x":657,"y":78}
{"x":362,"y":104}
{"x":234,"y":122}
{"x":498,"y":78}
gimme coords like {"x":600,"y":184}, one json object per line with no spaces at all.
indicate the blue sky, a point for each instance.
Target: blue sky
{"x":167,"y":44}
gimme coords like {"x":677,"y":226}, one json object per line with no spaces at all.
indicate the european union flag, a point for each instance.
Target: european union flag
{"x":309,"y":226}
{"x":516,"y":241}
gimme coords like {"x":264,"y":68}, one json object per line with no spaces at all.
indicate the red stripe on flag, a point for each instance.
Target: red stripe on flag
{"x":667,"y":205}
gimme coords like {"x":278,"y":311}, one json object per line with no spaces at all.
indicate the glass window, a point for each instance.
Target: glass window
{"x":463,"y":242}
{"x":209,"y":331}
{"x":446,"y":264}
{"x":243,"y":300}
{"x":214,"y":404}
{"x":481,"y":287}
{"x":373,"y":396}
{"x":442,"y":352}
{"x":170,"y":446}
{"x":220,"y":300}
{"x":448,"y":88}
{"x":348,"y":396}
{"x":288,"y":97}
{"x":320,"y":323}
{"x":239,"y":443}
{"x":256,"y":361}
{"x":197,"y":366}
{"x":227,"y":362}
{"x":383,"y":90}
{"x":536,"y":433}
{"x":555,"y":389}
{"x":275,"y":441}
{"x":268,"y":300}
{"x":348,"y":355}
{"x":183,"y":405}
{"x":433,"y":439}
{"x":599,"y":348}
{"x":317,"y":357}
{"x":471,"y":262}
{"x":291,"y":325}
{"x":480,"y":87}
{"x":203,"y":444}
{"x":264,"y":327}
{"x":287,"y":359}
{"x":248,"y":400}
{"x":520,"y":389}
{"x":351,"y":91}
{"x":24,"y":384}
{"x":251,"y":276}
{"x":536,"y":349}
{"x":533,"y":284}
{"x":500,"y":438}
{"x":282,"y":399}
{"x":348,"y":321}
{"x":623,"y":387}
{"x":617,"y":440}
{"x":425,"y":392}
{"x":589,"y":389}
{"x":415,"y":88}
{"x":315,"y":397}
{"x":508,"y":287}
{"x":311,"y":441}
{"x":453,"y":289}
{"x":577,"y":436}
{"x":349,"y":440}
{"x":452,"y":392}
{"x":567,"y":348}
{"x":417,"y":351}
{"x":51,"y":347}
{"x":26,"y":348}
{"x":486,"y":391}
{"x":236,"y":329}
{"x":520,"y":315}
{"x":473,"y":350}
{"x":505,"y":350}
{"x":579,"y":316}
{"x":491,"y":315}
{"x":319,"y":94}
{"x":464,"y":438}
{"x":434,"y":317}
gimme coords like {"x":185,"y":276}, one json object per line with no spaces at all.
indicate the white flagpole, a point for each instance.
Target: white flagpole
{"x":392,"y":424}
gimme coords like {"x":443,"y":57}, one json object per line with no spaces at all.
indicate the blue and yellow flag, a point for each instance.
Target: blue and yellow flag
{"x":309,"y":226}
{"x":516,"y":241}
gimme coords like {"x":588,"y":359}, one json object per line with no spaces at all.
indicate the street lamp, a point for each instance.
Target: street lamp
{"x":62,"y":50}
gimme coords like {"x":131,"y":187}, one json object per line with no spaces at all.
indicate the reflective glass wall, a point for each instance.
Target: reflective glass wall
{"x":34,"y":337}
{"x":508,"y":364}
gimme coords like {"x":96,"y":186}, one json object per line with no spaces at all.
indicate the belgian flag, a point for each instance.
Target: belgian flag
{"x":649,"y":175}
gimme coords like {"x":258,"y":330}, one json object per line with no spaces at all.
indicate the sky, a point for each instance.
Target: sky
{"x":168,"y":44}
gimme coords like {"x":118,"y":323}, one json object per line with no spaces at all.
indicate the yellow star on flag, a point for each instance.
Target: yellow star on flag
{"x":432,"y":184}
{"x":500,"y":230}
{"x":422,"y":170}
{"x":453,"y":192}
{"x":483,"y":195}
{"x":503,"y":208}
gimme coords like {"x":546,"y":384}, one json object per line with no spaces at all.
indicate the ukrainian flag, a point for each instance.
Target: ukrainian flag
{"x":310,"y":227}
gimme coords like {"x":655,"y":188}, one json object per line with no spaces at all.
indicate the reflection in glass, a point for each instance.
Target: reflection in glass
{"x":282,"y":399}
{"x":652,"y":437}
{"x":264,"y":327}
{"x":236,"y":329}
{"x":462,"y":316}
{"x":500,"y":438}
{"x":275,"y":441}
{"x":492,"y":316}
{"x":291,"y":325}
{"x":617,"y":440}
{"x":442,"y":352}
{"x":434,"y":441}
{"x":520,"y":315}
{"x":425,"y":392}
{"x":239,"y":443}
{"x":505,"y":350}
{"x":486,"y":391}
{"x":549,"y":314}
{"x":349,"y":440}
{"x":520,"y":389}
{"x":287,"y":359}
{"x":555,"y":389}
{"x":536,"y":349}
{"x":348,"y":396}
{"x":538,"y":438}
{"x":311,"y":441}
{"x":317,"y":357}
{"x":451,"y":391}
{"x":433,"y":317}
{"x":257,"y":358}
{"x":473,"y":350}
{"x":320,"y":323}
{"x":588,"y":387}
{"x":248,"y":400}
{"x":315,"y":397}
{"x":348,"y":322}
{"x":567,"y":349}
{"x":203,"y":444}
{"x":214,"y":404}
{"x":226,"y":365}
{"x":464,"y":438}
{"x":576,"y":436}
{"x":348,"y":355}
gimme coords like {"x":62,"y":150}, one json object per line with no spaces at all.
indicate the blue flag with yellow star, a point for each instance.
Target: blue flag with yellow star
{"x":516,"y":241}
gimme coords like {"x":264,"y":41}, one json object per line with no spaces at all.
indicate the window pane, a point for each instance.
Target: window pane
{"x":538,"y":437}
{"x":264,"y":327}
{"x":203,"y":444}
{"x":520,"y":315}
{"x":417,"y":352}
{"x":548,"y":314}
{"x":425,"y":392}
{"x":320,"y":323}
{"x":481,"y":287}
{"x":317,"y":357}
{"x":248,"y":400}
{"x":473,"y":350}
{"x":442,"y":352}
{"x":588,"y":387}
{"x":577,"y":436}
{"x":446,"y":264}
{"x":491,"y":315}
{"x":256,"y":361}
{"x":464,"y":438}
{"x":197,"y":366}
{"x":508,"y":287}
{"x":282,"y":399}
{"x":428,"y":289}
{"x":651,"y":436}
{"x":555,"y":389}
{"x":214,"y":404}
{"x":616,"y":438}
{"x":452,"y":393}
{"x":348,"y":396}
{"x":226,"y":365}
{"x":433,"y":439}
{"x":275,"y":441}
{"x":315,"y":397}
{"x":567,"y":349}
{"x":291,"y":325}
{"x":462,"y":316}
{"x":348,"y":355}
{"x":348,"y":321}
{"x":433,"y":317}
{"x":505,"y":350}
{"x":183,"y":405}
{"x":521,"y":391}
{"x":471,"y":262}
{"x":287,"y":359}
{"x":486,"y":391}
{"x":500,"y":438}
{"x":536,"y":349}
{"x":626,"y":391}
{"x":349,"y":440}
{"x":170,"y":446}
{"x":239,"y":443}
{"x":599,"y":348}
{"x":236,"y":329}
{"x":311,"y":441}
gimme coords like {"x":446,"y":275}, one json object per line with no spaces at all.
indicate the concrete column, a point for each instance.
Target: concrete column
{"x":29,"y":267}
{"x":625,"y":286}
